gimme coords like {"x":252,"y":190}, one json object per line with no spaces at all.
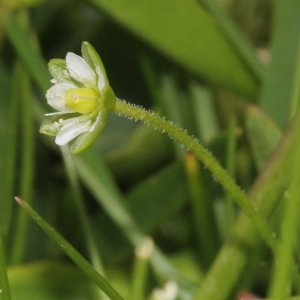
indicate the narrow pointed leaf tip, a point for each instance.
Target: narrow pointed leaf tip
{"x":81,"y":96}
{"x":18,"y":199}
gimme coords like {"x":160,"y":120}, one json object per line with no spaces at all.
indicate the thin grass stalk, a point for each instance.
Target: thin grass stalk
{"x":202,"y":213}
{"x":23,"y":45}
{"x":290,"y":222}
{"x":8,"y":150}
{"x":277,"y":95}
{"x":74,"y":255}
{"x":140,"y":270}
{"x":235,"y":36}
{"x":27,"y":168}
{"x":4,"y":284}
{"x":83,"y":216}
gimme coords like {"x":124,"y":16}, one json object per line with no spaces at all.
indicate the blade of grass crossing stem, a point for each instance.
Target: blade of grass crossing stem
{"x":27,"y":168}
{"x":150,"y":78}
{"x":4,"y":284}
{"x":171,"y":105}
{"x":166,"y":95}
{"x":202,"y":213}
{"x":83,"y":216}
{"x":206,"y":122}
{"x":278,"y":91}
{"x":263,"y":135}
{"x":8,"y":151}
{"x":290,"y":221}
{"x":235,"y":36}
{"x":67,"y":248}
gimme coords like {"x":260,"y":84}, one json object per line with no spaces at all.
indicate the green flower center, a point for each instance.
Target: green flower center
{"x":82,"y":100}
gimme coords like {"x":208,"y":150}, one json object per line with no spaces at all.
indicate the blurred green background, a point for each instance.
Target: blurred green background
{"x":225,"y":70}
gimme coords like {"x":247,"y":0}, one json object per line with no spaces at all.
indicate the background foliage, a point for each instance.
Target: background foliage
{"x":204,"y":65}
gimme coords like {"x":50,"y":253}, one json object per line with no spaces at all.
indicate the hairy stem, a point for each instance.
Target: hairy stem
{"x":158,"y":123}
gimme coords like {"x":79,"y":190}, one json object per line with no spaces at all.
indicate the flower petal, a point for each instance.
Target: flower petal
{"x":96,"y":123}
{"x":80,"y":70}
{"x":70,"y":131}
{"x":101,"y":79}
{"x":56,"y":96}
{"x":59,"y":113}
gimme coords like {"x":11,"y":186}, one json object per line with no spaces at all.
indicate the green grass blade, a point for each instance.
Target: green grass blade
{"x":202,"y":212}
{"x":27,"y":167}
{"x":278,"y":91}
{"x":151,"y":203}
{"x":4,"y":284}
{"x":140,"y":270}
{"x":187,"y":34}
{"x":235,"y":36}
{"x":30,"y":56}
{"x":172,"y":106}
{"x":289,"y":229}
{"x":9,"y":123}
{"x":67,"y":248}
{"x":206,"y":122}
{"x":263,"y":135}
{"x":83,"y":215}
{"x":5,"y":81}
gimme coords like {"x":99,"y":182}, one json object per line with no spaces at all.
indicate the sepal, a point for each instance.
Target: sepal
{"x":50,"y":126}
{"x":58,"y":70}
{"x":93,"y":59}
{"x":109,"y":99}
{"x":85,"y":140}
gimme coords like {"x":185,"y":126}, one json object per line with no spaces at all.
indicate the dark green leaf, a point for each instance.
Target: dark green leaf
{"x":182,"y":30}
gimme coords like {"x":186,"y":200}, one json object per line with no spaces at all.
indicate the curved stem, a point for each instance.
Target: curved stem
{"x":137,"y":113}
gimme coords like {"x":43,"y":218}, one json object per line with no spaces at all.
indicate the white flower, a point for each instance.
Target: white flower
{"x":78,"y":91}
{"x":82,"y":97}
